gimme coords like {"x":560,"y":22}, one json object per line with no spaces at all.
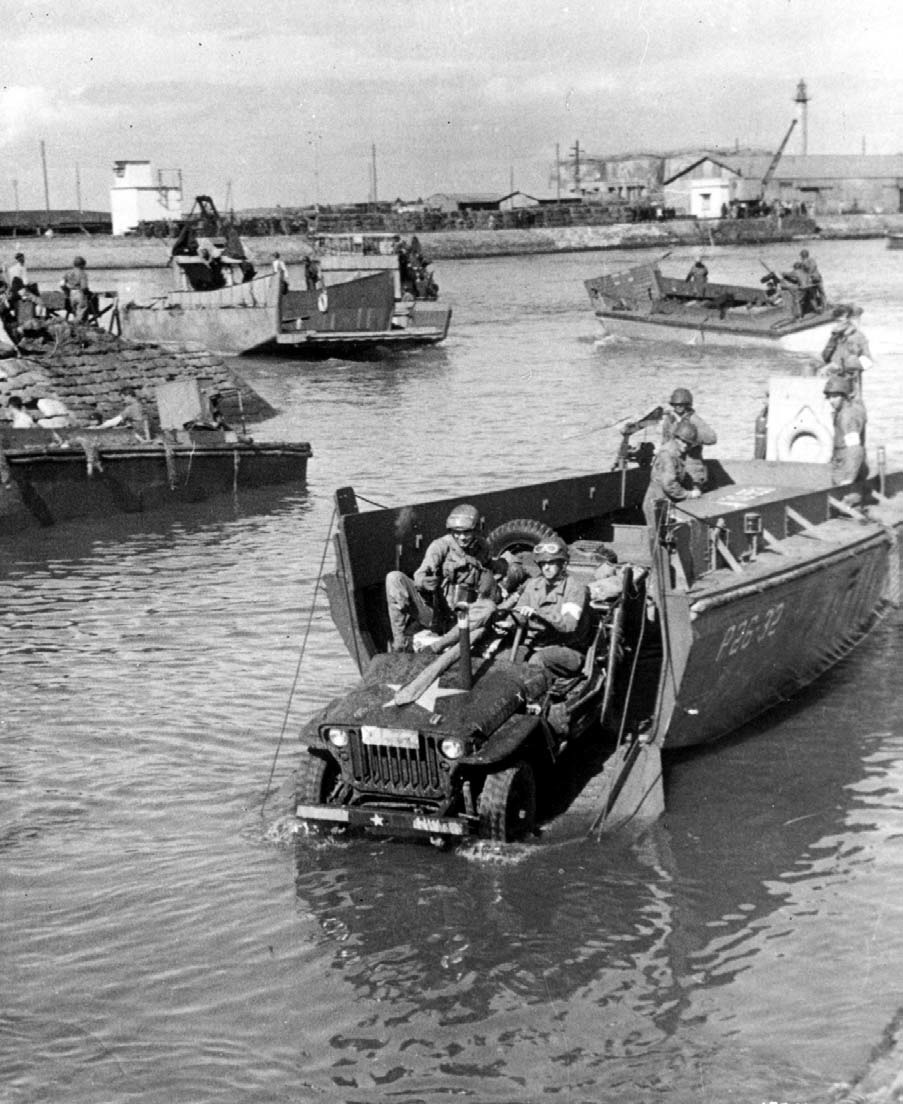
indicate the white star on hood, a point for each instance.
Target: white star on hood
{"x":427,"y":699}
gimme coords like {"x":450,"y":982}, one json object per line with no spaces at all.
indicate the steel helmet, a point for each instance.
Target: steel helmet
{"x":464,"y":516}
{"x":551,"y":550}
{"x":686,"y":431}
{"x":838,"y":385}
{"x":680,"y":396}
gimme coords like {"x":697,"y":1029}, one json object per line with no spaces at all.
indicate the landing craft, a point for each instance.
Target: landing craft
{"x":739,"y":598}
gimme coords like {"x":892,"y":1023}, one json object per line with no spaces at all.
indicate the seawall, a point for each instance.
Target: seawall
{"x":56,"y":254}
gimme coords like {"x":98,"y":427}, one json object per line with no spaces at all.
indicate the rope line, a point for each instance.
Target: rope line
{"x":291,"y":693}
{"x":370,"y":502}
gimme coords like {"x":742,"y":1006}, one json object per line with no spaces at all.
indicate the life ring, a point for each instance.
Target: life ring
{"x":808,"y":442}
{"x":323,"y":302}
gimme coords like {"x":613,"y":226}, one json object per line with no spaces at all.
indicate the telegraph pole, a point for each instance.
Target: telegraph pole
{"x":373,"y":175}
{"x":78,"y":188}
{"x":557,"y":172}
{"x":16,"y":198}
{"x":576,"y":152}
{"x":46,"y":189}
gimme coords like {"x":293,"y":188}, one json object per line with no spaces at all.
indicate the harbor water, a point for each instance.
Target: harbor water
{"x":164,"y":937}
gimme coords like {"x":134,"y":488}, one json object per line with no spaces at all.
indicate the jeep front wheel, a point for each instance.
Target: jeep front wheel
{"x":508,"y":804}
{"x":315,"y":780}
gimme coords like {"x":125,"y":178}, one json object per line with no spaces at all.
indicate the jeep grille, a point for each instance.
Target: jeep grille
{"x":399,"y":771}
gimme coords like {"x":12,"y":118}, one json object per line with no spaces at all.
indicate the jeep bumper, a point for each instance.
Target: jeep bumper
{"x":387,"y":822}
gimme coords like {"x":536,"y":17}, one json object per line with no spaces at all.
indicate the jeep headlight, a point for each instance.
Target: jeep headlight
{"x":338,"y":737}
{"x":452,"y":747}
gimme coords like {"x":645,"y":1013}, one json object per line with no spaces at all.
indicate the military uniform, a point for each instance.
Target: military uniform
{"x":559,"y":639}
{"x":693,"y":463}
{"x":846,"y":352}
{"x":848,"y":457}
{"x":426,"y":600}
{"x":668,"y":479}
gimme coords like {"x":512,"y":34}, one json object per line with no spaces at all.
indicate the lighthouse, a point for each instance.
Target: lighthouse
{"x":802,"y":98}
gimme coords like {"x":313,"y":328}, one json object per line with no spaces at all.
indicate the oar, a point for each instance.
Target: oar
{"x":412,"y":691}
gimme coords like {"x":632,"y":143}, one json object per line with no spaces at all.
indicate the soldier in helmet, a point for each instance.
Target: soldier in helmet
{"x":554,"y":605}
{"x":455,"y":569}
{"x":682,"y":411}
{"x":669,"y":481}
{"x":848,"y":457}
{"x":818,"y":299}
{"x":847,"y":352}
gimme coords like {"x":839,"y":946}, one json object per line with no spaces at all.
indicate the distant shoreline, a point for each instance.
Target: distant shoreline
{"x":102,"y":252}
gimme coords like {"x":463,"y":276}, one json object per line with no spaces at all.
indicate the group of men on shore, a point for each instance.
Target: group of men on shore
{"x":22,"y":309}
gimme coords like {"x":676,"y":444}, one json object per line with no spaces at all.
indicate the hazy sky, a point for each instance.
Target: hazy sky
{"x":284,"y":99}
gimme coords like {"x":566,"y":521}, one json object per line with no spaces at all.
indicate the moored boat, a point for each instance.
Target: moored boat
{"x":50,"y":475}
{"x":417,"y":311}
{"x":221,"y":302}
{"x":895,"y":241}
{"x":738,"y":600}
{"x":642,"y":302}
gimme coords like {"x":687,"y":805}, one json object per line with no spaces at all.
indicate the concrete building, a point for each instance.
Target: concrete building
{"x":700,"y":182}
{"x":137,"y":197}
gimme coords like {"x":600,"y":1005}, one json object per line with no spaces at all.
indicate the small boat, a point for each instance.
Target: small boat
{"x":642,"y":302}
{"x":351,"y":256}
{"x":895,"y":241}
{"x":738,"y":600}
{"x":49,"y":475}
{"x":221,"y":303}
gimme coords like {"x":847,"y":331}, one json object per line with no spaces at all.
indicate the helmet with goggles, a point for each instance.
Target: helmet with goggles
{"x":551,"y":551}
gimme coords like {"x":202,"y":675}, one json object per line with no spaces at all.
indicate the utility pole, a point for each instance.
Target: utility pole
{"x":576,"y":152}
{"x":78,"y":189}
{"x":46,"y":189}
{"x":557,"y":172}
{"x":373,"y":175}
{"x":16,"y":198}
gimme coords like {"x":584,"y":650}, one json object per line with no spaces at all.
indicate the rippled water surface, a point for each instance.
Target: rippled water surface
{"x":161,"y":937}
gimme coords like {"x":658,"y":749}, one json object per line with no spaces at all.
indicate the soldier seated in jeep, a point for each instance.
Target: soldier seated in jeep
{"x":455,"y":570}
{"x":554,"y":608}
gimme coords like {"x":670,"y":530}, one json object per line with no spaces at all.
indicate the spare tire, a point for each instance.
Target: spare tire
{"x":520,"y":535}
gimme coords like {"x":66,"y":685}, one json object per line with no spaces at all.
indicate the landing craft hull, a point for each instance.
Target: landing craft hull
{"x":757,"y":644}
{"x":642,"y":303}
{"x":255,"y":317}
{"x":706,"y":330}
{"x":104,"y":473}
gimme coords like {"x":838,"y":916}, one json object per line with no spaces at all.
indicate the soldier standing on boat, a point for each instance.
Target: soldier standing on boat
{"x":847,"y":352}
{"x":311,"y":272}
{"x":668,"y":480}
{"x":848,"y":458}
{"x":281,"y":271}
{"x":76,"y":290}
{"x":698,"y":276}
{"x":682,"y":412}
{"x":455,"y":569}
{"x":817,"y":298}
